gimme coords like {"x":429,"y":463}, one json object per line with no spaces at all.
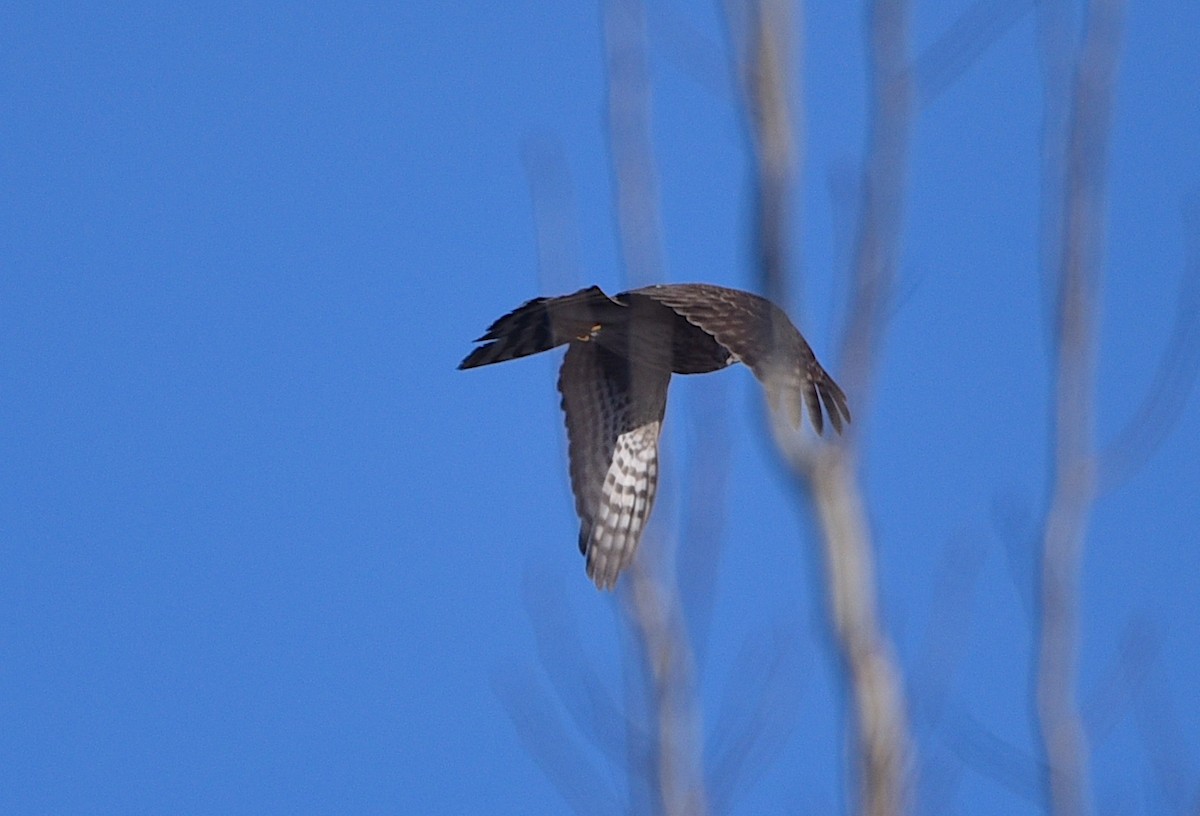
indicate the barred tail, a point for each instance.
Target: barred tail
{"x":540,"y":325}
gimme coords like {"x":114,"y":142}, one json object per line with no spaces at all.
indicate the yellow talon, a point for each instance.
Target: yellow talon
{"x":583,"y":338}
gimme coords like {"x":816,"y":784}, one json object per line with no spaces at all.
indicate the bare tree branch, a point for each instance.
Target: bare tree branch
{"x":874,"y":677}
{"x":827,"y":473}
{"x":663,"y":751}
{"x":769,"y":93}
{"x":1057,"y":53}
{"x":1074,"y":486}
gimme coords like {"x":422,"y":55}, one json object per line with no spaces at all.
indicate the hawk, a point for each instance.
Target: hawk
{"x":621,"y":353}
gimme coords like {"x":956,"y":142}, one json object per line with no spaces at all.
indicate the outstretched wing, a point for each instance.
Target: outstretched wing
{"x":542,"y":324}
{"x":614,"y":414}
{"x":759,"y":334}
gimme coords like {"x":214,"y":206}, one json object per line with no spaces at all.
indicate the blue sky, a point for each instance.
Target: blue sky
{"x":263,"y":550}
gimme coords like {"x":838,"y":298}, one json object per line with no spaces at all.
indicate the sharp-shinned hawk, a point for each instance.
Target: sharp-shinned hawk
{"x":621,"y":352}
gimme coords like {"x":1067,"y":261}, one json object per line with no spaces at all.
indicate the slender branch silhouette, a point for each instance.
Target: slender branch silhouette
{"x":1073,"y":493}
{"x":826,"y":474}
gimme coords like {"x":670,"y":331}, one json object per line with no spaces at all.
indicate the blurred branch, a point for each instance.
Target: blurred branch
{"x":652,"y":597}
{"x":1173,"y":379}
{"x":635,"y":177}
{"x":554,"y":217}
{"x":949,"y":56}
{"x":759,"y":712}
{"x":656,"y":617}
{"x":1057,"y":53}
{"x":883,"y":741}
{"x":1020,"y":537}
{"x":993,"y":757}
{"x":593,"y":711}
{"x":878,"y":239}
{"x":1137,"y":653}
{"x":692,"y":51}
{"x":948,"y":633}
{"x":593,"y":708}
{"x":943,"y":647}
{"x":705,"y":508}
{"x":1172,"y":758}
{"x":827,"y":473}
{"x":540,"y":728}
{"x":1074,"y":486}
{"x":765,"y":70}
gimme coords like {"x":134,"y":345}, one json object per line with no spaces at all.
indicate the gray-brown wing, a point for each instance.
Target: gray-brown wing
{"x":614,"y":415}
{"x":759,"y":334}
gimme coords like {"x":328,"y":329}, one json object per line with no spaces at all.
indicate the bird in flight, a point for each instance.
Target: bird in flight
{"x":621,"y":353}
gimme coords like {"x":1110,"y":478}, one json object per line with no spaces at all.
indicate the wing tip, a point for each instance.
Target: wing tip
{"x":603,"y":570}
{"x":824,"y":398}
{"x":607,"y":560}
{"x":834,"y":401}
{"x":478,"y":357}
